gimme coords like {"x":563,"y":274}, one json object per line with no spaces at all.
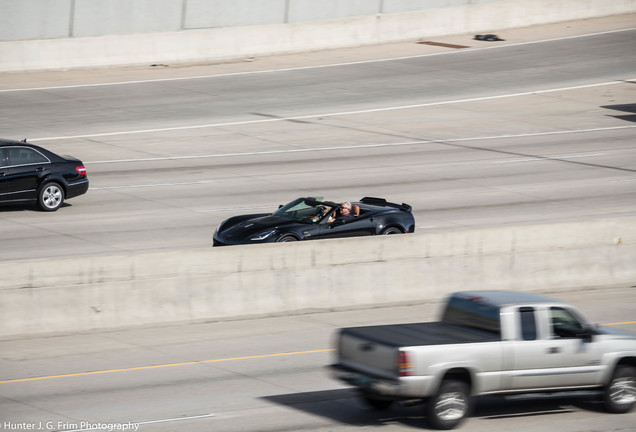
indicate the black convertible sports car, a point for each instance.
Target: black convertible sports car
{"x":311,"y":218}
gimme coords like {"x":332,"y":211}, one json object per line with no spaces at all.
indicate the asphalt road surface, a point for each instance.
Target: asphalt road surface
{"x":514,"y":132}
{"x":256,"y":375}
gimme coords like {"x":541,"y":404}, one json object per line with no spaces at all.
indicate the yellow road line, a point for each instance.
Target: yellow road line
{"x":195,"y":362}
{"x":162,"y":366}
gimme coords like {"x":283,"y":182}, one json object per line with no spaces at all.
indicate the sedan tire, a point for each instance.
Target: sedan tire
{"x":50,"y":197}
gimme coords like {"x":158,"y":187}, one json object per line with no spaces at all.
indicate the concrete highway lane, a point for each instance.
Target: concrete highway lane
{"x":522,"y":131}
{"x":255,"y":375}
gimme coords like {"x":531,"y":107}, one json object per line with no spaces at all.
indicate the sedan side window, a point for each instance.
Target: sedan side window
{"x":564,"y":323}
{"x":23,"y":156}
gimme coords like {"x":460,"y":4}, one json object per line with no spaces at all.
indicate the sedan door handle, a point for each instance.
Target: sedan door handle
{"x":39,"y":169}
{"x":554,"y":350}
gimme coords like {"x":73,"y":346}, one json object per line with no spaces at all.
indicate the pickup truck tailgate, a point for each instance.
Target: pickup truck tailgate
{"x":375,"y":349}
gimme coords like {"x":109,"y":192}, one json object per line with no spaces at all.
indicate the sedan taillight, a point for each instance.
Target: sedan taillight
{"x":80,"y":170}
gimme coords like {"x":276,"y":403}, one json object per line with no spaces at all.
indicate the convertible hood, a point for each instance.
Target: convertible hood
{"x":256,"y":225}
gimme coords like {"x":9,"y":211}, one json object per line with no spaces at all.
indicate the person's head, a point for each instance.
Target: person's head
{"x":345,"y":208}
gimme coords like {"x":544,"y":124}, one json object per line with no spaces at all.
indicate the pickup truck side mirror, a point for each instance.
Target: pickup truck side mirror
{"x":587,"y":334}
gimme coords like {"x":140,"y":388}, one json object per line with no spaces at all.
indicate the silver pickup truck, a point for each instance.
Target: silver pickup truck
{"x":487,"y":342}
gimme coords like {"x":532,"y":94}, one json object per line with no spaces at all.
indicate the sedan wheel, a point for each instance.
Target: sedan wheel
{"x":51,"y":197}
{"x":287,"y":238}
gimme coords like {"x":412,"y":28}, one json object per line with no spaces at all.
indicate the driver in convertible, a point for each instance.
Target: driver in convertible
{"x":344,"y":212}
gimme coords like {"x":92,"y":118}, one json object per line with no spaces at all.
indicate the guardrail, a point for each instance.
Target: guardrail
{"x":78,"y":294}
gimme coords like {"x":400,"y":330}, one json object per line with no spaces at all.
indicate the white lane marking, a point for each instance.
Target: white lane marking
{"x":333,"y":114}
{"x":176,"y":419}
{"x":150,"y":185}
{"x":355,"y":147}
{"x":623,"y":181}
{"x":260,"y":153}
{"x":547,"y":158}
{"x":119,"y":426}
{"x":229,"y":74}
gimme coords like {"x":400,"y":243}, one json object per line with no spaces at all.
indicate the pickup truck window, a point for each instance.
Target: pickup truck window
{"x":564,"y":324}
{"x":528,"y":323}
{"x":473,"y":312}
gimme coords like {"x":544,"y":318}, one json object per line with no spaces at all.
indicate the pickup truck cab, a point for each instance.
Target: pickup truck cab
{"x":487,"y":342}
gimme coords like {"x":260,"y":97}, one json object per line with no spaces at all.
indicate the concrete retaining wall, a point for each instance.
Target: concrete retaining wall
{"x":61,"y":34}
{"x":104,"y":292}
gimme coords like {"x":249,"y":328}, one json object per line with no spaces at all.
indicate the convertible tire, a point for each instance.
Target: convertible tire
{"x":619,"y":395}
{"x":286,"y":238}
{"x":450,"y":405}
{"x":390,"y":231}
{"x":50,"y":196}
{"x":375,"y":403}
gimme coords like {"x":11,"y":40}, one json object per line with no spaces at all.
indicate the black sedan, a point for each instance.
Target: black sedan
{"x":311,"y":218}
{"x":29,"y":173}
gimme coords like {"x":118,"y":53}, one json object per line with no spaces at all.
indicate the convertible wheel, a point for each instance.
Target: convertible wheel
{"x":50,"y":197}
{"x":449,"y":406}
{"x":620,"y":393}
{"x":287,"y":238}
{"x":390,"y":231}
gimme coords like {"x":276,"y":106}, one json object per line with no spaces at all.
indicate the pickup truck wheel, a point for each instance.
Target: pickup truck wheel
{"x":620,"y":394}
{"x":449,"y":406}
{"x":377,"y":404}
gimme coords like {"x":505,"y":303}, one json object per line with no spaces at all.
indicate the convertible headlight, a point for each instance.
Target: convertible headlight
{"x":263,"y":235}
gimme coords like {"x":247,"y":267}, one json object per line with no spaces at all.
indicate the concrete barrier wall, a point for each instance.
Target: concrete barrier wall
{"x":105,"y":292}
{"x":60,"y":34}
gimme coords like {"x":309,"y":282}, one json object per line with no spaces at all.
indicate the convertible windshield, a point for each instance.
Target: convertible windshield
{"x":305,"y":210}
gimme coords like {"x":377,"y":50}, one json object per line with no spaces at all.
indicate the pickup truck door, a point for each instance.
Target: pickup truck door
{"x":551,"y":353}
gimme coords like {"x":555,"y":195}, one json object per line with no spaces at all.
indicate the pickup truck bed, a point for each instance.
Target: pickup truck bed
{"x":415,"y":334}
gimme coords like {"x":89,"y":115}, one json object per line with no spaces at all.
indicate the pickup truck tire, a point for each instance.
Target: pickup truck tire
{"x":620,"y":393}
{"x":449,"y":406}
{"x":375,"y":403}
